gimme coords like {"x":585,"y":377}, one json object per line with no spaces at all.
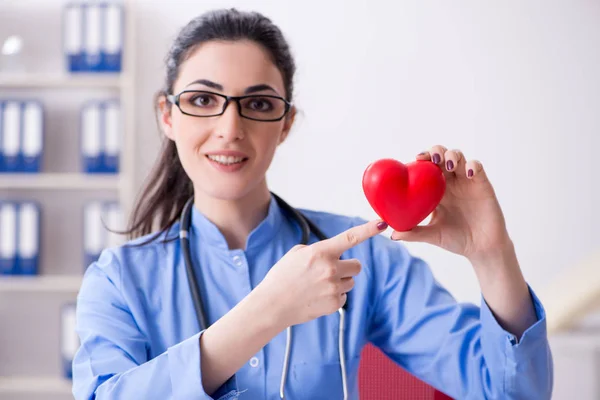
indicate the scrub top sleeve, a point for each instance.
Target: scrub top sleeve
{"x":112,"y":360}
{"x":456,"y":347}
{"x":528,"y":360}
{"x":186,"y":376}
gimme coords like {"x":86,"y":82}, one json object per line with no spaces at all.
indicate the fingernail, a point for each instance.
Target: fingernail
{"x":436,"y":158}
{"x":382,"y":225}
{"x":470,"y":173}
{"x":449,"y":165}
{"x":422,"y":153}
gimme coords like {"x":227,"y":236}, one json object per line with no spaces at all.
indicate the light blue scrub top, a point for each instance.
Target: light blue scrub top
{"x":140,"y":337}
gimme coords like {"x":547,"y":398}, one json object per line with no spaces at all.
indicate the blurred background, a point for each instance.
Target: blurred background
{"x":515,"y":84}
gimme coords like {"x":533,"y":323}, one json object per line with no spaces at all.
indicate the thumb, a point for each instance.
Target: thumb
{"x":421,"y":233}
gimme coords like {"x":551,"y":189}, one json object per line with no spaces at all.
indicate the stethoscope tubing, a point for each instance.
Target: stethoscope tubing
{"x":307,"y":227}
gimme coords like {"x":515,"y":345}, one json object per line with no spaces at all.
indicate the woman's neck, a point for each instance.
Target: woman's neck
{"x":235,"y":218}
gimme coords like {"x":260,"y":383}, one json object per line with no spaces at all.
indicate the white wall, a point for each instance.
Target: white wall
{"x":514,"y":84}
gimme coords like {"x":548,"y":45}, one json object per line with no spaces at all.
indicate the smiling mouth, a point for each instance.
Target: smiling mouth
{"x":226,"y":160}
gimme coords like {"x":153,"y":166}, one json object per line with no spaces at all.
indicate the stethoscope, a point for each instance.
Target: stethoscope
{"x":307,"y":228}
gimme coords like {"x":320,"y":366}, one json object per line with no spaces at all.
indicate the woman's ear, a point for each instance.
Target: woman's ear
{"x":164,"y":109}
{"x":287,"y":125}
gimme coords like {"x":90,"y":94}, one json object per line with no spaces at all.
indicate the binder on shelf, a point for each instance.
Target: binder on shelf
{"x":102,"y":221}
{"x":1,"y":138}
{"x":32,"y":142}
{"x":93,"y":36}
{"x":91,"y":138}
{"x":28,"y":245}
{"x":112,"y":136}
{"x":92,"y":42}
{"x":73,"y":37}
{"x":69,"y":340}
{"x":93,"y":235}
{"x":21,"y":136}
{"x":101,"y":131}
{"x":11,"y":131}
{"x":112,"y":37}
{"x":8,"y":238}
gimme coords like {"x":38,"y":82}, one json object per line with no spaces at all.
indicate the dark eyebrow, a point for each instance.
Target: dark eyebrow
{"x":259,"y":88}
{"x":249,"y":90}
{"x":208,"y":83}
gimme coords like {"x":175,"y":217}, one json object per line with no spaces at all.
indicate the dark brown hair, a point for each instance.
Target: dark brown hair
{"x":168,"y":187}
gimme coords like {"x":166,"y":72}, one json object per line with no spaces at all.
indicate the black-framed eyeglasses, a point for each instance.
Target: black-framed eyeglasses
{"x":257,"y":107}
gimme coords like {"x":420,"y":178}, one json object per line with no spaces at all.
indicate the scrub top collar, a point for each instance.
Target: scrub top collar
{"x":266,"y":230}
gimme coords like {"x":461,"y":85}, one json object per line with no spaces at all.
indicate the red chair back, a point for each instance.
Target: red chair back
{"x":380,"y":378}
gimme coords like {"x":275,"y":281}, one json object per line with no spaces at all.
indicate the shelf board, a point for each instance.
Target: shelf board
{"x":72,"y":181}
{"x":35,"y":384}
{"x":40,"y":283}
{"x":582,"y":339}
{"x":101,"y":81}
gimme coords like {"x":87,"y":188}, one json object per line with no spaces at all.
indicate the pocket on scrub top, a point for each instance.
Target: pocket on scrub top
{"x":317,"y":380}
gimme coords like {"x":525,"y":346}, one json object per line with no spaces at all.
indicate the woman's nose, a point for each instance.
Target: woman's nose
{"x":229,"y":125}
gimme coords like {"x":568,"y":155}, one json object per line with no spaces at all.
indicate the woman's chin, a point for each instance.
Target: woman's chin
{"x":228,"y":192}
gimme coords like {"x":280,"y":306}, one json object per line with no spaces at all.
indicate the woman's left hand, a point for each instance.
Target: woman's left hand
{"x":468,"y":221}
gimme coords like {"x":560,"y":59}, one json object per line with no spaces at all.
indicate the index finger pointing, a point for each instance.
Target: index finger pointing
{"x":341,"y":242}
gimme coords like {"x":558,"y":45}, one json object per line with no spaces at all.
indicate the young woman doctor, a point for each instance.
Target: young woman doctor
{"x":275,"y":327}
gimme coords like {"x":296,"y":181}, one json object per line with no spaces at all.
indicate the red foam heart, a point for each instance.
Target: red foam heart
{"x":403,"y":195}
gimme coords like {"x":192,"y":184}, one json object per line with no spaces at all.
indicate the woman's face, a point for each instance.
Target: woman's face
{"x":226,"y":156}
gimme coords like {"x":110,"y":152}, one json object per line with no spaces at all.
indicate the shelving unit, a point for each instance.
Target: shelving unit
{"x":62,"y":81}
{"x":58,"y":181}
{"x":35,"y":301}
{"x":124,"y":84}
{"x":41,"y":283}
{"x":34,"y":385}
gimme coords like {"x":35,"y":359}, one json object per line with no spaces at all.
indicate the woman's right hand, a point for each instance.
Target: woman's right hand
{"x":311,"y":281}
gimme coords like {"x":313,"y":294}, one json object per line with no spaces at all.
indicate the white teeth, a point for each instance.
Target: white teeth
{"x":226,"y":160}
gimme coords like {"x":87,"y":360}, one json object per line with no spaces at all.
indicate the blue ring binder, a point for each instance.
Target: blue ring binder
{"x":8,"y":238}
{"x":93,"y":48}
{"x":28,"y":244}
{"x":1,"y":138}
{"x":32,"y":163}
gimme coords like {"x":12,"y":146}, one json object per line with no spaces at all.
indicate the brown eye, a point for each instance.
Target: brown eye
{"x":203,"y":100}
{"x":259,"y":104}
